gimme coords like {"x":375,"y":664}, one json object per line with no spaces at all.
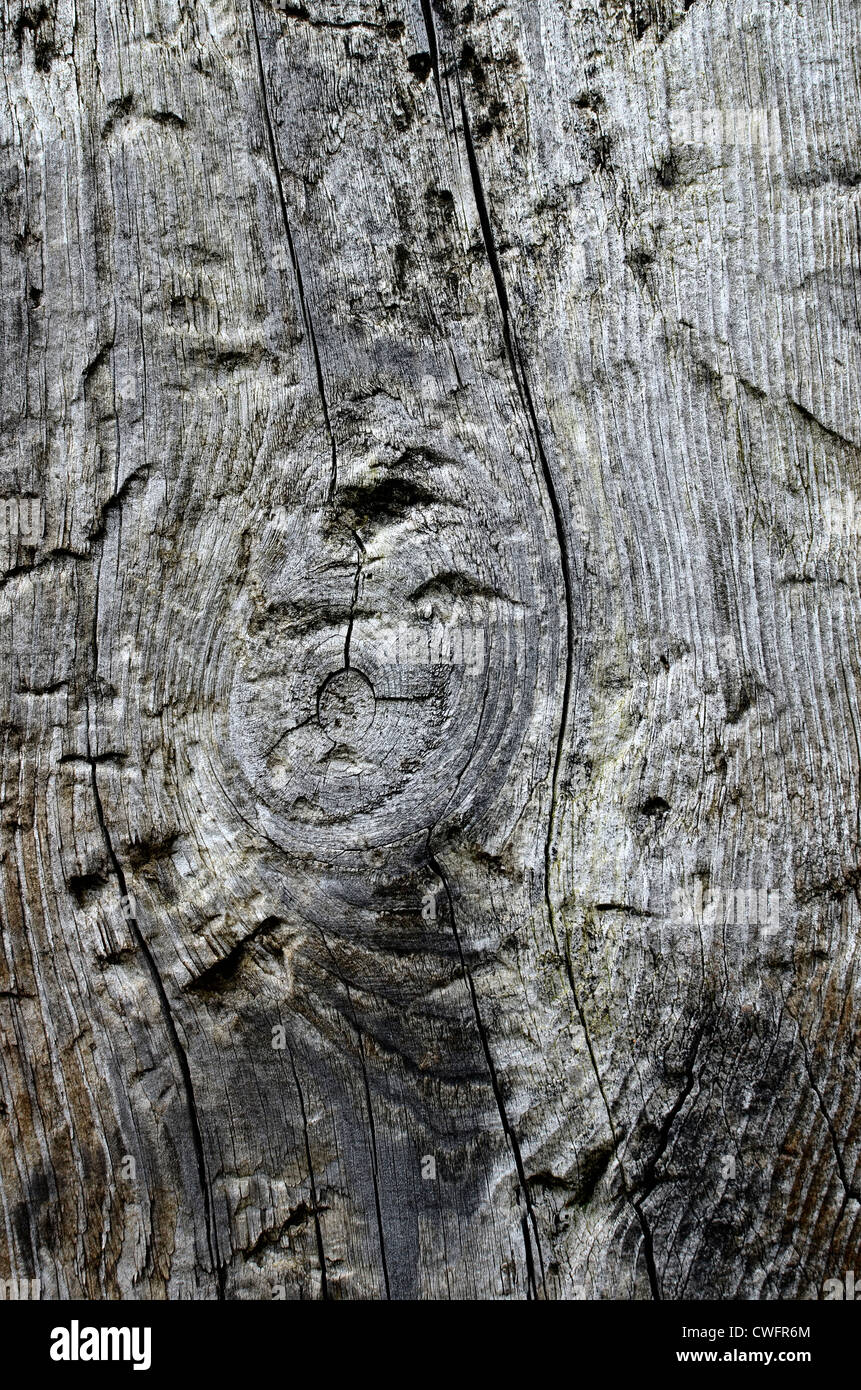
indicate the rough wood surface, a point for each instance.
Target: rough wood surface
{"x":444,"y":421}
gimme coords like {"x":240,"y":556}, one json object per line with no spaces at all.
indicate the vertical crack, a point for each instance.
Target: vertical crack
{"x":648,"y":1242}
{"x":355,"y":598}
{"x":321,"y":1254}
{"x":523,"y":1186}
{"x":647,"y":1180}
{"x":524,"y":392}
{"x":375,"y":1165}
{"x":164,"y":1003}
{"x":294,"y":259}
{"x":176,"y":1043}
{"x":433,"y":49}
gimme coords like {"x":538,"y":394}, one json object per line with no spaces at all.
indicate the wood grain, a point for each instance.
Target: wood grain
{"x":445,"y":420}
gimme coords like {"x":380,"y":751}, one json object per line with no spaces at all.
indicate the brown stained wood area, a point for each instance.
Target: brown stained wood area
{"x":429,"y":723}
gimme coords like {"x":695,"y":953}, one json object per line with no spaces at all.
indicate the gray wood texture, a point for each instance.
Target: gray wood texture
{"x":443,"y":424}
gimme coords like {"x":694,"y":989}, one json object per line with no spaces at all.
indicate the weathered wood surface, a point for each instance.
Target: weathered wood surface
{"x":504,"y":359}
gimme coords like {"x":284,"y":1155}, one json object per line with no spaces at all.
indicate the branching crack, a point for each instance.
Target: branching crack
{"x":648,"y":1180}
{"x":848,"y":1188}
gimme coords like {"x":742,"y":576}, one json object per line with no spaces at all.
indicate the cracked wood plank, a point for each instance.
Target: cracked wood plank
{"x":429,"y":852}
